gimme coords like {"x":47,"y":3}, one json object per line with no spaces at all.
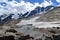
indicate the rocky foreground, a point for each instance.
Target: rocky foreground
{"x":29,"y":32}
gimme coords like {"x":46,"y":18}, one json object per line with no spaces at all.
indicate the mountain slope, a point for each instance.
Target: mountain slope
{"x":53,"y":15}
{"x":9,"y":20}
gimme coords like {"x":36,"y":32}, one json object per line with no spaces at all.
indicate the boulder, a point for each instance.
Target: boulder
{"x":11,"y":30}
{"x":56,"y":37}
{"x":1,"y":38}
{"x":9,"y":37}
{"x":25,"y":37}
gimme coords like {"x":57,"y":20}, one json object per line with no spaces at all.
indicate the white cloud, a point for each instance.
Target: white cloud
{"x":22,"y":7}
{"x":45,"y":4}
{"x":58,"y":0}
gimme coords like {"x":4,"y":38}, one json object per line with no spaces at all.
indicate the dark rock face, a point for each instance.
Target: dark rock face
{"x":1,"y":38}
{"x":48,"y":8}
{"x":8,"y":18}
{"x":39,"y":39}
{"x":42,"y":9}
{"x":48,"y":38}
{"x":52,"y":31}
{"x":25,"y":37}
{"x":58,"y":27}
{"x":9,"y":37}
{"x":11,"y":30}
{"x":25,"y":14}
{"x":56,"y":37}
{"x":38,"y":9}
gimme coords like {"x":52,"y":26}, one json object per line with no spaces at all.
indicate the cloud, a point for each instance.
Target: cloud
{"x":46,"y":3}
{"x":21,"y":7}
{"x":15,"y":7}
{"x":58,"y":0}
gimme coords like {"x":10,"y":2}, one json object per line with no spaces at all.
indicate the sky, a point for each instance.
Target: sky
{"x":23,"y":6}
{"x":32,"y":1}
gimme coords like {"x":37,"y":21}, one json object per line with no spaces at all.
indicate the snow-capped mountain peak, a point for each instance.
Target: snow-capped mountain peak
{"x":23,"y":7}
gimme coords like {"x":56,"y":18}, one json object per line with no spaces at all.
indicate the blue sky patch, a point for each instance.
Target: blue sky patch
{"x":33,"y":1}
{"x":3,"y":3}
{"x":17,"y":1}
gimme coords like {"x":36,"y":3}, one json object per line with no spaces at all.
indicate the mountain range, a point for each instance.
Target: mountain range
{"x":36,"y":11}
{"x":16,"y":15}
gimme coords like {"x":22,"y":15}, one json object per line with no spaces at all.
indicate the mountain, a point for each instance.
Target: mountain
{"x":5,"y":18}
{"x":8,"y":7}
{"x":52,"y":15}
{"x":48,"y":8}
{"x":36,"y":11}
{"x":48,"y":19}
